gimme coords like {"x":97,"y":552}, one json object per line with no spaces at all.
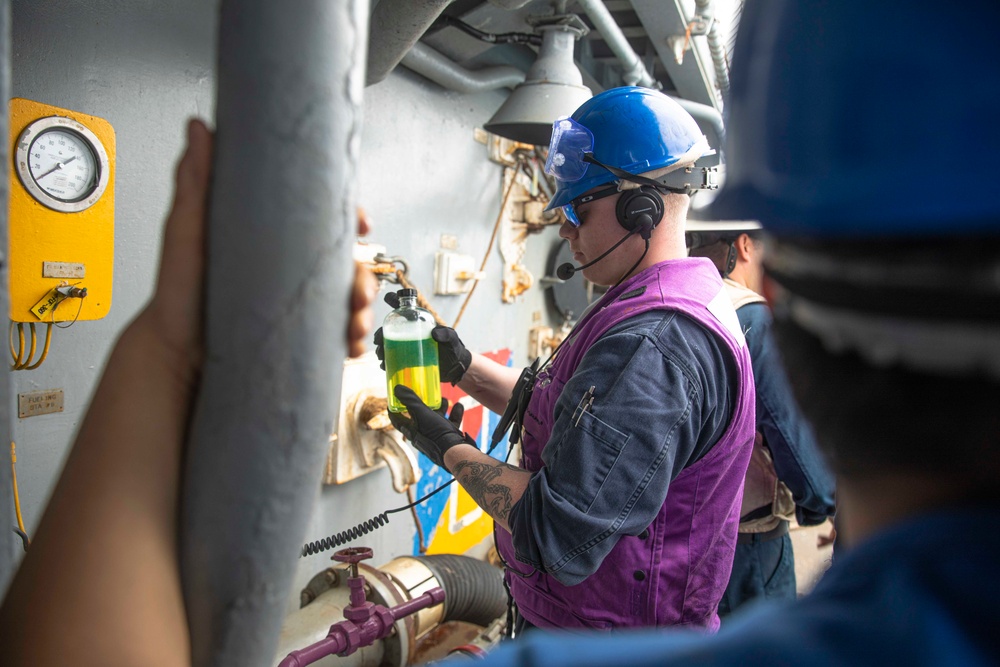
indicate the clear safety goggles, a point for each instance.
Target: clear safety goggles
{"x":570,"y":142}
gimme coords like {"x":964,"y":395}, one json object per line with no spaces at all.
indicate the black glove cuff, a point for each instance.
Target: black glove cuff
{"x":456,"y":371}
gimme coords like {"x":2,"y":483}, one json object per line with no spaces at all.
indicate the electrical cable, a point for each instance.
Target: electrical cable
{"x":22,"y":361}
{"x":20,"y":346}
{"x":45,"y":347}
{"x":637,"y":262}
{"x":489,"y":248}
{"x":19,"y":361}
{"x":492,"y":38}
{"x":17,"y":498}
{"x":15,"y":356}
{"x":10,"y":341}
{"x":416,"y":520}
{"x":31,"y":348}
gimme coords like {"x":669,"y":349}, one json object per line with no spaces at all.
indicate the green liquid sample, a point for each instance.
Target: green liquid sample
{"x":413,"y":363}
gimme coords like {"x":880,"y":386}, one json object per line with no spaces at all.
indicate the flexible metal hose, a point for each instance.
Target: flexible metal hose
{"x":474,"y":588}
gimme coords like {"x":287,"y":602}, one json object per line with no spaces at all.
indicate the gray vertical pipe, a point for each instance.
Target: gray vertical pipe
{"x":9,"y":543}
{"x":282,"y":223}
{"x":635,"y":73}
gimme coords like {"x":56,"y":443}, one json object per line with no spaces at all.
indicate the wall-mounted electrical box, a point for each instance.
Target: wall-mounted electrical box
{"x":454,"y":273}
{"x":62,"y":214}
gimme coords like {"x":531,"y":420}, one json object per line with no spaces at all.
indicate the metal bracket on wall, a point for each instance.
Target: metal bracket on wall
{"x":514,"y":231}
{"x":365,"y":440}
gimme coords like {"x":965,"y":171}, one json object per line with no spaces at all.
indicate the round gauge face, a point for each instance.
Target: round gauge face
{"x":62,"y":164}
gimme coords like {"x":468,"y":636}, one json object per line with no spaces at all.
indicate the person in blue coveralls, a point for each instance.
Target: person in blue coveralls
{"x":787,"y":478}
{"x":865,"y":141}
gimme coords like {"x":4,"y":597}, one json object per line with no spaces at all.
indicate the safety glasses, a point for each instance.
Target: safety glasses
{"x":570,"y":142}
{"x":569,"y":210}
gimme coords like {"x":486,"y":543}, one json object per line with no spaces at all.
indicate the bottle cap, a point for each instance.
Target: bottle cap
{"x":406,"y":292}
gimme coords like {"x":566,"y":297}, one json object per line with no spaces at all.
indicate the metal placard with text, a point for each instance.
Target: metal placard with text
{"x":34,"y":403}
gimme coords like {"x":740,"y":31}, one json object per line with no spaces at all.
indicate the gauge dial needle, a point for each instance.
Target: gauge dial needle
{"x":59,"y":165}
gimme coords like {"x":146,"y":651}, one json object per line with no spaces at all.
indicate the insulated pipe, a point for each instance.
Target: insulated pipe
{"x":9,"y":545}
{"x":635,"y":72}
{"x":396,"y":27}
{"x":281,"y":228}
{"x":715,"y":47}
{"x":427,"y":62}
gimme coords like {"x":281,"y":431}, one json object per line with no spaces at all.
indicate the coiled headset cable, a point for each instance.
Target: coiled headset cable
{"x":365,"y":527}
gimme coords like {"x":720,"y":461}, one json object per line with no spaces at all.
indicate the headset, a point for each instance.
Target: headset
{"x":640,"y":210}
{"x":701,"y":239}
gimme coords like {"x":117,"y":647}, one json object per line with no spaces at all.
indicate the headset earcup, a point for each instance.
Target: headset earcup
{"x":730,"y":259}
{"x":639,"y":208}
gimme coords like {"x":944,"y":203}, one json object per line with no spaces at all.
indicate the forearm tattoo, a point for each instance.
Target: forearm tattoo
{"x":481,"y":481}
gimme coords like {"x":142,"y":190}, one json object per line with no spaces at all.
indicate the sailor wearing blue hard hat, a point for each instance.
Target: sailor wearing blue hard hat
{"x":585,"y":526}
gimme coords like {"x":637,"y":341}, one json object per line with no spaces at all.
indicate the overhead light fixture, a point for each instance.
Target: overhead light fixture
{"x":553,"y":86}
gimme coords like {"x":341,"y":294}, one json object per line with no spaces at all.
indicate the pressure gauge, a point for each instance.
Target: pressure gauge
{"x":62,"y":164}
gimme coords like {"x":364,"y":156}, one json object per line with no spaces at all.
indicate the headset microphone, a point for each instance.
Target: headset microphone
{"x":566,"y":271}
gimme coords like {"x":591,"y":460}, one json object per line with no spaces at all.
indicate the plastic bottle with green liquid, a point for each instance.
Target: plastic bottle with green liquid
{"x":411,"y":355}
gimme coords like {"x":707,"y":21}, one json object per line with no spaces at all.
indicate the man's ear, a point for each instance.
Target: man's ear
{"x":744,"y":247}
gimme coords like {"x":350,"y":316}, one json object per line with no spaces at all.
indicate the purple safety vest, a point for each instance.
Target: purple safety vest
{"x":686,"y":558}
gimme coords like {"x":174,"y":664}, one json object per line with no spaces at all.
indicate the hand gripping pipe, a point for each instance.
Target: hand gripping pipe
{"x":365,"y":622}
{"x":290,"y":82}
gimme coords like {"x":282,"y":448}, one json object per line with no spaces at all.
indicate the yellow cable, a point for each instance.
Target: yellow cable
{"x":17,"y":498}
{"x":10,"y":341}
{"x":31,"y":349}
{"x":45,"y":348}
{"x":19,"y":361}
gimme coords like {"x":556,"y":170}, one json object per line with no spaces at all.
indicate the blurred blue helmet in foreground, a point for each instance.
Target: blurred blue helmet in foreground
{"x":637,"y":130}
{"x":865,"y":121}
{"x":866,"y":141}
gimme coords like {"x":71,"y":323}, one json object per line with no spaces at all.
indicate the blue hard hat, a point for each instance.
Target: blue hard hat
{"x":881,"y":120}
{"x":634,"y":129}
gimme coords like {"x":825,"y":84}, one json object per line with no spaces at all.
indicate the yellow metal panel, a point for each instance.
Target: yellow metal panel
{"x":39,"y":234}
{"x":447,"y":542}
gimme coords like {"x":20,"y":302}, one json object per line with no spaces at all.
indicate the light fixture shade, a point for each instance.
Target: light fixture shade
{"x":553,"y":88}
{"x":528,"y":113}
